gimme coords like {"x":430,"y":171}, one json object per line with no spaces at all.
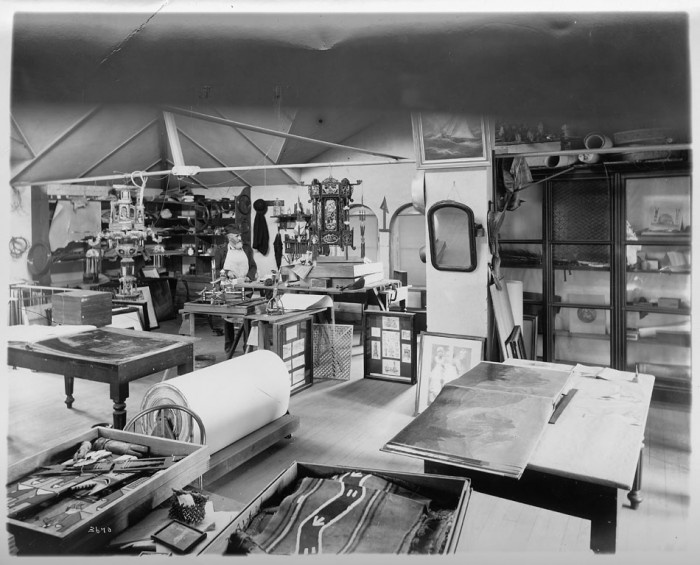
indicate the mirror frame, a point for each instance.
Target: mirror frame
{"x":471,"y":235}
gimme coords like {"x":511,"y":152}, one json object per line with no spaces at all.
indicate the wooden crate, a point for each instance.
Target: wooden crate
{"x":117,"y":514}
{"x":452,"y":492}
{"x":80,"y":307}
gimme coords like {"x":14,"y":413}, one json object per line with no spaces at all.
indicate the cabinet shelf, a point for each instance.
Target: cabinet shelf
{"x":577,"y":267}
{"x":651,"y":309}
{"x":671,"y":240}
{"x":661,"y":338}
{"x":578,"y":335}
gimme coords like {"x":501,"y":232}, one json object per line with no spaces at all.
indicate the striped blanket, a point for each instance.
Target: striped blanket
{"x":350,"y":513}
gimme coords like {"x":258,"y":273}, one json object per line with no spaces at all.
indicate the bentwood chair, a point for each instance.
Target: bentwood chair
{"x":170,"y":421}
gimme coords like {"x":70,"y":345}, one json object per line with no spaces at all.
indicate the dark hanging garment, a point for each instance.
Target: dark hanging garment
{"x":261,"y":236}
{"x":278,"y":246}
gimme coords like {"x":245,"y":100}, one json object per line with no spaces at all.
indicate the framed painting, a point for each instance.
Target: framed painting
{"x":442,"y":358}
{"x":515,"y":344}
{"x":530,"y":335}
{"x":449,"y":140}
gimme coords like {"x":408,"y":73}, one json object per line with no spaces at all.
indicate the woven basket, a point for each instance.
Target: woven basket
{"x":332,"y":349}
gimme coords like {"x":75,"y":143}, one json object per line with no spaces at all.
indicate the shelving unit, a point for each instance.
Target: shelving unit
{"x":605,"y":290}
{"x":194,"y":232}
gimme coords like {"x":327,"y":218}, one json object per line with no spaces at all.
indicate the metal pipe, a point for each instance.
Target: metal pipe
{"x":125,"y":176}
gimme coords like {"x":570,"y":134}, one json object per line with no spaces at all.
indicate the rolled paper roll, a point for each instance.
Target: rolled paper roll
{"x":597,"y":141}
{"x":555,"y":161}
{"x":233,"y":398}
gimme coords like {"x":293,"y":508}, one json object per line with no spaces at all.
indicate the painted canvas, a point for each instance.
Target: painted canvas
{"x":490,"y":419}
{"x":449,"y":140}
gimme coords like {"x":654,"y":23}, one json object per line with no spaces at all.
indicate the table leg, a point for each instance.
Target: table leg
{"x":119,"y":392}
{"x":68,"y":383}
{"x":604,"y":523}
{"x":192,"y":324}
{"x":186,"y":367}
{"x":240,"y":332}
{"x":635,"y":495}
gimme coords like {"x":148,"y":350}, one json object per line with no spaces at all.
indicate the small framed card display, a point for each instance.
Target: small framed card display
{"x":390,"y":346}
{"x":178,"y":536}
{"x":293,"y":345}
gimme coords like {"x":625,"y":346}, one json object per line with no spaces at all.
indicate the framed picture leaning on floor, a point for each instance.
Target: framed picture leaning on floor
{"x":442,"y":358}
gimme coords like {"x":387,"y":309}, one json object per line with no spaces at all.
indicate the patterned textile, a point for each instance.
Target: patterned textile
{"x":350,"y":513}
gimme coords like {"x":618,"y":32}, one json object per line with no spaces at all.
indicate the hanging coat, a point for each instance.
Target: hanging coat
{"x":279,"y":247}
{"x":261,"y":236}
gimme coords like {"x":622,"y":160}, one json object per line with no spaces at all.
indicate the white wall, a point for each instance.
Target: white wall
{"x":20,"y":225}
{"x":458,"y":302}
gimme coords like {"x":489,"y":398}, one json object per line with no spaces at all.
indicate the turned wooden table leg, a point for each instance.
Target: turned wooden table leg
{"x":68,"y":383}
{"x":119,"y":392}
{"x":635,"y":495}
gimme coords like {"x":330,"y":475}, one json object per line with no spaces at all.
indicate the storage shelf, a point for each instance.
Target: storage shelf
{"x":602,"y":151}
{"x":659,"y":272}
{"x":651,"y":309}
{"x":664,"y":338}
{"x":574,"y":335}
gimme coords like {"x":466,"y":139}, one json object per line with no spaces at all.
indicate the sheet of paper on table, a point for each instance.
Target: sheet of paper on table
{"x":294,"y":301}
{"x":32,"y":334}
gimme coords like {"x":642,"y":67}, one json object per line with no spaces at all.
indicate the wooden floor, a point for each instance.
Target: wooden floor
{"x":347,"y":422}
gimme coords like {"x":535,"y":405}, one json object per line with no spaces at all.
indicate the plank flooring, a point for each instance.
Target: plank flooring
{"x":347,"y":422}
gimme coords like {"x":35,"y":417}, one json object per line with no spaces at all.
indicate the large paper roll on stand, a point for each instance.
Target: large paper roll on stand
{"x":233,"y":398}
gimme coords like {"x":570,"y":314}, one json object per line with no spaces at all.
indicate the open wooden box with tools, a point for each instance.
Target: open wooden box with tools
{"x":74,"y":497}
{"x":431,"y":506}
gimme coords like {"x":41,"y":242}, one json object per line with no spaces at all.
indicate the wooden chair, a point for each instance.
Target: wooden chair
{"x":170,"y":421}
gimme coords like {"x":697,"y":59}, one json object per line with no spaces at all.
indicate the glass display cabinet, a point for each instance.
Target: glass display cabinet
{"x":657,"y":292}
{"x":604,"y":255}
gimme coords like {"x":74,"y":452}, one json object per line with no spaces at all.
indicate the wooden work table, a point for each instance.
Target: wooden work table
{"x":382,"y":293}
{"x":109,"y":355}
{"x":583,"y":458}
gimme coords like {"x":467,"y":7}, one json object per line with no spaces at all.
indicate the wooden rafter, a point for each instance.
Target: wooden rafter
{"x":55,"y":142}
{"x":211,"y":155}
{"x":259,"y":150}
{"x":22,"y":138}
{"x":118,"y":147}
{"x":173,"y":139}
{"x":224,"y":121}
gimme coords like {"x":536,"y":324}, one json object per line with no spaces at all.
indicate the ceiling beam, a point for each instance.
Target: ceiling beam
{"x":173,"y":139}
{"x":22,"y":138}
{"x":126,"y":176}
{"x":118,"y":148}
{"x":55,"y":142}
{"x":224,"y":121}
{"x":259,"y":150}
{"x":212,"y":156}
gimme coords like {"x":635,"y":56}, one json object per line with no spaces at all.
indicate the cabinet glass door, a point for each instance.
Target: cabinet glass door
{"x":581,"y":240}
{"x":657,"y":278}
